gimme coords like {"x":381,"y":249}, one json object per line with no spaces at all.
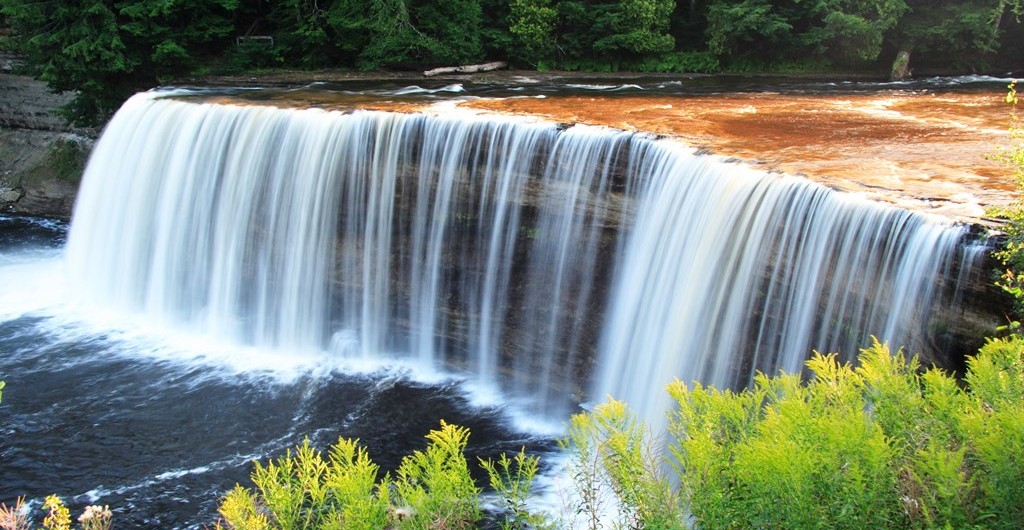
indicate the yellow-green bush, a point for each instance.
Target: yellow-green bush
{"x":613,"y":453}
{"x":879,"y":445}
{"x":431,"y":489}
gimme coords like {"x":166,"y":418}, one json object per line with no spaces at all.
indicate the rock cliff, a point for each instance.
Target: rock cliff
{"x":41,"y":158}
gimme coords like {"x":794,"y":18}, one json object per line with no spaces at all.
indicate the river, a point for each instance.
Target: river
{"x":128,"y":385}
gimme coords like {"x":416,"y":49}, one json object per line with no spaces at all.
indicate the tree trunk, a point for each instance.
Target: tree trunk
{"x":468,"y":69}
{"x":901,"y":66}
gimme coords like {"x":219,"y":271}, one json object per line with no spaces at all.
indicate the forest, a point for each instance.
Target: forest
{"x":107,"y":49}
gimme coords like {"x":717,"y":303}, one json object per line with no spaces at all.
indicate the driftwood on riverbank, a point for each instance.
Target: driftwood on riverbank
{"x":467,"y":69}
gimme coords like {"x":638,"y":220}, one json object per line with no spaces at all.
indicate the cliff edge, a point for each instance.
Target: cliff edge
{"x":41,"y":158}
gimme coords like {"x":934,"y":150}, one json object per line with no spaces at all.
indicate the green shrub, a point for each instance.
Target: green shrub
{"x":784,"y":453}
{"x":994,"y":428}
{"x":251,"y":54}
{"x":303,"y":489}
{"x":432,"y":488}
{"x":435,"y":484}
{"x":617,"y":459}
{"x":1011,"y":255}
{"x":882,"y":445}
{"x":511,"y":479}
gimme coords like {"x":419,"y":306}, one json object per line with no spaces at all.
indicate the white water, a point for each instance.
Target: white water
{"x":556,"y":264}
{"x":731,"y":272}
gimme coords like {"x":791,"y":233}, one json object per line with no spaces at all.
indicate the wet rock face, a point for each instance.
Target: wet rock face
{"x":41,"y":158}
{"x":962,"y":322}
{"x":27,"y":104}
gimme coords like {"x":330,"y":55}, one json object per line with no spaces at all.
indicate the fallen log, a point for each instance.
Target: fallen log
{"x":467,"y":69}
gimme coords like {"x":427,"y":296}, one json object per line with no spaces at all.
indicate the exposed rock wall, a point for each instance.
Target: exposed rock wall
{"x":41,"y":158}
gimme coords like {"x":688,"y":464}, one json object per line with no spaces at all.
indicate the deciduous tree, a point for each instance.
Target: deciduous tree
{"x":953,"y":33}
{"x":532,"y":23}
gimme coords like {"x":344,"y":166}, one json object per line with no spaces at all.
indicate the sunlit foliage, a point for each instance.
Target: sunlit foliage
{"x":881,"y":444}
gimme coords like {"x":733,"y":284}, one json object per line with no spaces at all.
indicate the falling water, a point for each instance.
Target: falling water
{"x":729,"y":272}
{"x":561,"y":264}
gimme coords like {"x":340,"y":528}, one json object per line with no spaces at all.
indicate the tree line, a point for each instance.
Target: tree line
{"x":106,"y":49}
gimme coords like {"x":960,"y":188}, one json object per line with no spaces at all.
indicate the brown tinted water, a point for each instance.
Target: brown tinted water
{"x":927,"y":146}
{"x":921,"y":150}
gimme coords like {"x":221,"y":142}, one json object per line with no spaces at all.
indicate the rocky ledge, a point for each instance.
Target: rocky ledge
{"x":41,"y":158}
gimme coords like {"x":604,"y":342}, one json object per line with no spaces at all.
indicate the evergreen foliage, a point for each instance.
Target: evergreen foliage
{"x":532,"y":23}
{"x":843,"y":31}
{"x":953,"y":32}
{"x":106,"y":50}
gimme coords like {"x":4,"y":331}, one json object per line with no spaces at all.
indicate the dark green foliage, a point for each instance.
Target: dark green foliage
{"x":396,"y":33}
{"x":75,"y":45}
{"x":251,"y":54}
{"x":454,"y":30}
{"x":638,"y":27}
{"x":532,"y":24}
{"x":106,"y":50}
{"x":845,"y":32}
{"x":602,"y":35}
{"x":955,"y":33}
{"x":578,"y":22}
{"x":306,"y":37}
{"x":750,"y":27}
{"x":177,"y":33}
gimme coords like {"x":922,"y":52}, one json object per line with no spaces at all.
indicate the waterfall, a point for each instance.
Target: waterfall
{"x":731,"y":272}
{"x":559,"y":263}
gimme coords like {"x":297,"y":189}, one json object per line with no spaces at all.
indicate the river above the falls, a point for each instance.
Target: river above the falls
{"x":927,"y":145}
